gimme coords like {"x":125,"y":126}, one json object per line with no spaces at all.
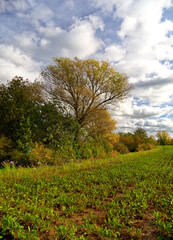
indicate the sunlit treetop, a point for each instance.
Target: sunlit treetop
{"x":83,"y":86}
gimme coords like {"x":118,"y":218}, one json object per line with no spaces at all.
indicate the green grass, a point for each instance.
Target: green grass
{"x":127,"y":197}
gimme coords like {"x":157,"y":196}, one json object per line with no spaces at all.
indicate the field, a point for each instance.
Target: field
{"x":126,"y":197}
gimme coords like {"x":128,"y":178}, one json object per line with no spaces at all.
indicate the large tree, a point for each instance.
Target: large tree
{"x":84,"y":86}
{"x":26,"y":116}
{"x":18,"y":99}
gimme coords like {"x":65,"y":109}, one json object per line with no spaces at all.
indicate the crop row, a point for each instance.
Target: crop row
{"x":130,"y":197}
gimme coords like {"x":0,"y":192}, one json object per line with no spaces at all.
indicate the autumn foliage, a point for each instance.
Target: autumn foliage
{"x":66,"y":116}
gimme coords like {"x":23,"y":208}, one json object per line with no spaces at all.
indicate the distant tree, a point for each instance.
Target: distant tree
{"x":122,"y":148}
{"x":113,"y":138}
{"x":129,"y":141}
{"x":141,"y":133}
{"x":84,"y":86}
{"x":137,"y":141}
{"x":163,"y":138}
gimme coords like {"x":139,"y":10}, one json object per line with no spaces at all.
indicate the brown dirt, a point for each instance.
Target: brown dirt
{"x":148,"y":231}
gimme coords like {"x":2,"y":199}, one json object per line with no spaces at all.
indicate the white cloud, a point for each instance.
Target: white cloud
{"x":13,"y":5}
{"x":141,"y":47}
{"x":152,"y":126}
{"x":69,"y":3}
{"x":165,"y":123}
{"x":136,"y":110}
{"x":44,"y":42}
{"x":145,"y":44}
{"x":155,"y":92}
{"x":145,"y":111}
{"x":27,"y":40}
{"x":97,"y":22}
{"x":13,"y":62}
{"x":113,"y":53}
{"x":130,"y":116}
{"x":144,"y":36}
{"x":38,"y":15}
{"x":114,"y":5}
{"x":159,"y":125}
{"x":15,"y":56}
{"x":79,"y":40}
{"x":106,"y":6}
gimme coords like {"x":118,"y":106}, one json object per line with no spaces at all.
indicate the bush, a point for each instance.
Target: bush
{"x":20,"y":158}
{"x":145,"y":146}
{"x":130,"y":142}
{"x":121,"y":148}
{"x":84,"y":152}
{"x":64,"y":153}
{"x":99,"y":151}
{"x":114,"y":153}
{"x":6,"y":146}
{"x":140,"y":147}
{"x":40,"y":155}
{"x":149,"y":146}
{"x":93,"y":149}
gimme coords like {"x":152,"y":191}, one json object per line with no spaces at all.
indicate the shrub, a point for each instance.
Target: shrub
{"x":84,"y":152}
{"x":7,"y":163}
{"x":121,"y":148}
{"x":20,"y":158}
{"x":145,"y":146}
{"x":40,"y":154}
{"x":6,"y":146}
{"x":95,"y":149}
{"x":64,"y":153}
{"x":114,"y":153}
{"x":100,"y":150}
{"x":130,"y":142}
{"x":113,"y":139}
{"x":149,"y":146}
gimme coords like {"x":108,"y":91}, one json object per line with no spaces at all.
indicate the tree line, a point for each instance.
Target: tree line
{"x":65,"y":116}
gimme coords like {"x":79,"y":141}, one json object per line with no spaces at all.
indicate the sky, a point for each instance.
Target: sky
{"x":136,"y":36}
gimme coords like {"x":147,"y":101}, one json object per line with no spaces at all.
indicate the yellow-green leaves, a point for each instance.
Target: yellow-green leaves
{"x":85,"y":86}
{"x":163,"y":138}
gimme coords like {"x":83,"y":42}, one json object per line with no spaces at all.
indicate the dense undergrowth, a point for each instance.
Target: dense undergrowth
{"x":126,"y":197}
{"x":36,"y":127}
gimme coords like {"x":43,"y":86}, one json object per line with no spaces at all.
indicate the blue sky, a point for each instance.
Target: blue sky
{"x":136,"y":36}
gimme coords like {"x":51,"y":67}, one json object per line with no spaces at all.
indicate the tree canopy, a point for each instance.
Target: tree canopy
{"x":26,"y":114}
{"x":18,"y":98}
{"x":84,"y":86}
{"x":140,"y":132}
{"x":163,"y":138}
{"x":101,"y":123}
{"x":66,"y":116}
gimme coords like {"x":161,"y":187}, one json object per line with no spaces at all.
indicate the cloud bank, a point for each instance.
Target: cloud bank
{"x":136,"y":36}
